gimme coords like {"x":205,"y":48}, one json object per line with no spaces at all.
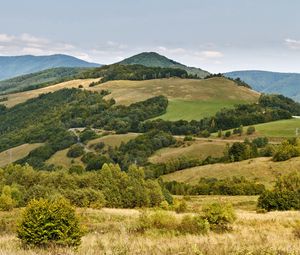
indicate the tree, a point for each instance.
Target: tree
{"x":7,"y":203}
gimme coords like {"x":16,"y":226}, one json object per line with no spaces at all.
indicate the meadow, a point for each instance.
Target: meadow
{"x":111,"y":231}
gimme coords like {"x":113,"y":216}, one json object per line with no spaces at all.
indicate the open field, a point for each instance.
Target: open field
{"x":16,"y":153}
{"x":264,"y":170}
{"x":61,"y":159}
{"x":200,"y":149}
{"x":109,"y":231}
{"x":21,"y":97}
{"x":113,"y":140}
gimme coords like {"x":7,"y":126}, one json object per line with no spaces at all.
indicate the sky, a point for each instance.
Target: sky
{"x":215,"y":35}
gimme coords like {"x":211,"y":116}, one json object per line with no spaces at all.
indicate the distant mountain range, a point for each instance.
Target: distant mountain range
{"x":154,"y":59}
{"x":287,"y":84}
{"x":20,"y":65}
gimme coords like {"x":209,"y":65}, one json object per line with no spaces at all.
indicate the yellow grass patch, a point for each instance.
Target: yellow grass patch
{"x":16,"y":153}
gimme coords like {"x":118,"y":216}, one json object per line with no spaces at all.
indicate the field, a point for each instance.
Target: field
{"x":200,"y":149}
{"x":16,"y":153}
{"x":21,"y":97}
{"x":109,"y":231}
{"x":60,"y":159}
{"x":264,"y":170}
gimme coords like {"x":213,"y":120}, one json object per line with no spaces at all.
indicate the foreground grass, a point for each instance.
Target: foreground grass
{"x":109,"y":231}
{"x":263,"y":170}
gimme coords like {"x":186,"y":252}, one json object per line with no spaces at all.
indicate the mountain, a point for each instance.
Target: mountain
{"x":13,"y":66}
{"x":154,"y":59}
{"x":40,"y":79}
{"x":287,"y":84}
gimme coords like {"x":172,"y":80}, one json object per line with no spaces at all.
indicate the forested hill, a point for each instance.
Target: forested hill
{"x":153,"y":59}
{"x":12,"y":66}
{"x":287,"y":84}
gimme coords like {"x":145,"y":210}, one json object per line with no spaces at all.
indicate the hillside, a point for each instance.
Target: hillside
{"x":12,"y":66}
{"x":188,"y":99}
{"x":154,"y":59}
{"x":39,"y":79}
{"x":264,"y":170}
{"x":271,"y":82}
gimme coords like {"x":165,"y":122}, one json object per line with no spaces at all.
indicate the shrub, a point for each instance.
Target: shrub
{"x":219,"y":216}
{"x":44,"y":223}
{"x":227,"y":133}
{"x":250,"y":130}
{"x":193,"y":225}
{"x":286,"y":151}
{"x":180,"y":206}
{"x":76,"y":169}
{"x":75,"y":151}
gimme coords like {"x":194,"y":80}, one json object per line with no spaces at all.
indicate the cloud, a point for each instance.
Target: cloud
{"x":165,"y":50}
{"x":210,"y":54}
{"x":292,"y":43}
{"x":6,"y":38}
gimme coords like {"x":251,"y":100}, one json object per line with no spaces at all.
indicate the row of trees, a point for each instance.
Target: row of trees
{"x":110,"y":187}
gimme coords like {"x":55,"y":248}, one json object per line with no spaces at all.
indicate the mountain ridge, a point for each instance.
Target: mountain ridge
{"x":13,"y":66}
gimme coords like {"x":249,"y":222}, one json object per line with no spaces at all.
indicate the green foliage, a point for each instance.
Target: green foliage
{"x":286,"y":150}
{"x":87,"y":134}
{"x":285,"y":196}
{"x":219,"y":216}
{"x":195,"y":225}
{"x":227,"y":134}
{"x":7,"y":202}
{"x":49,"y":222}
{"x":180,"y":206}
{"x":75,"y":151}
{"x":260,"y":142}
{"x":250,"y":130}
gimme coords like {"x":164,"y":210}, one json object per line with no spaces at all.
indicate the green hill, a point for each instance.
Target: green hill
{"x":153,"y":59}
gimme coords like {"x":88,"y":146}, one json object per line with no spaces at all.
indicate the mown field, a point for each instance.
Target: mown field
{"x":200,"y":149}
{"x":264,"y":170}
{"x":111,"y":231}
{"x":16,"y":153}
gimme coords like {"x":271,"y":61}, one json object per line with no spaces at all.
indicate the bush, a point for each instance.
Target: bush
{"x":219,"y":216}
{"x":286,"y":151}
{"x":227,"y":133}
{"x":75,"y":151}
{"x":45,"y":223}
{"x":180,"y":206}
{"x":193,"y":225}
{"x":250,"y":130}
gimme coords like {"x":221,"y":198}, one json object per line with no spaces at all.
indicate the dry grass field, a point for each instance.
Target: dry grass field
{"x":17,"y":98}
{"x":109,"y":231}
{"x":264,"y":170}
{"x":61,"y":159}
{"x":200,"y":149}
{"x":16,"y":153}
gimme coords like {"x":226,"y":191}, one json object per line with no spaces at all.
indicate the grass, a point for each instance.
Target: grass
{"x":195,"y":109}
{"x":16,"y":153}
{"x":17,"y":98}
{"x":113,"y":140}
{"x":109,"y":231}
{"x":194,"y":149}
{"x":264,"y":170}
{"x":61,"y":159}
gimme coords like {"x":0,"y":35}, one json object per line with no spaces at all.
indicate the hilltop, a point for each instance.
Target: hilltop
{"x":271,"y":82}
{"x":153,"y":59}
{"x":12,"y":66}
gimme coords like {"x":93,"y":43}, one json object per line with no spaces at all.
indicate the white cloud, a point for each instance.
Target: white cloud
{"x":166,"y":50}
{"x":210,"y":54}
{"x":292,"y":43}
{"x":6,"y":38}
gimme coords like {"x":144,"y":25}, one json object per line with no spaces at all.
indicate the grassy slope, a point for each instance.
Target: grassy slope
{"x":195,"y":149}
{"x":189,"y":99}
{"x":17,"y":153}
{"x":60,"y":159}
{"x":21,"y":97}
{"x":261,"y":169}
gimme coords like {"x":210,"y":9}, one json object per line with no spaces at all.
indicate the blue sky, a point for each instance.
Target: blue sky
{"x":216,"y":35}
